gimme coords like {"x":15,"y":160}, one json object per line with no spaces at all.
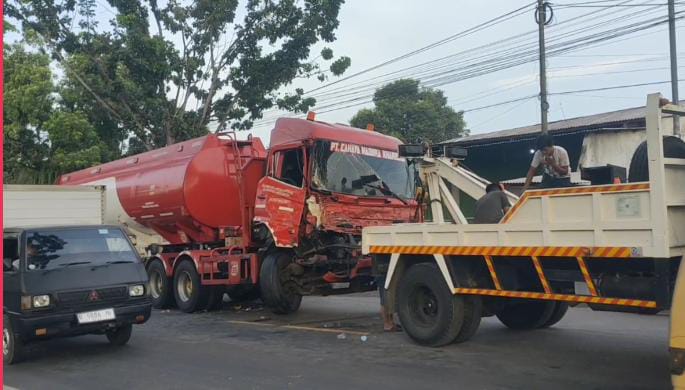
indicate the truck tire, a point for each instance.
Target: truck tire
{"x":160,"y":285}
{"x":277,"y":295}
{"x":120,"y":335}
{"x":526,"y":315}
{"x":12,"y":345}
{"x":190,"y":295}
{"x":429,"y":313}
{"x":674,"y":147}
{"x":473,"y":312}
{"x":559,"y":312}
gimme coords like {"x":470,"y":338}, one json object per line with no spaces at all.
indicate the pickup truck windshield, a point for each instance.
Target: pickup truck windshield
{"x":361,"y":170}
{"x":60,"y":248}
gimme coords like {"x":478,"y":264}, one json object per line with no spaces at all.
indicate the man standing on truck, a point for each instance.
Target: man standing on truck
{"x":555,"y":164}
{"x":492,"y":206}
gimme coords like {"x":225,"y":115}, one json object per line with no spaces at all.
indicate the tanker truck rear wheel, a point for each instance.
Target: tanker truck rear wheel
{"x":189,"y":293}
{"x":429,"y":313}
{"x":278,"y":291}
{"x":160,"y":285}
{"x":526,"y":315}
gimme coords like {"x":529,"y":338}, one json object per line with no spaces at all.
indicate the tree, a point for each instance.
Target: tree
{"x":411,"y":113}
{"x":163,"y":73}
{"x":41,"y":138}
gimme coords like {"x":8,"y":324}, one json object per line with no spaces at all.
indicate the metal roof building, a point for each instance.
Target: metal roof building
{"x":590,"y":141}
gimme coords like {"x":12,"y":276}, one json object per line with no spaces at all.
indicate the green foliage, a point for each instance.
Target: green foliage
{"x":135,"y":82}
{"x":42,"y":138}
{"x":411,"y":113}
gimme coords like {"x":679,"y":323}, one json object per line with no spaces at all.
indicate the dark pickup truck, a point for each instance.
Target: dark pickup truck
{"x":69,"y":281}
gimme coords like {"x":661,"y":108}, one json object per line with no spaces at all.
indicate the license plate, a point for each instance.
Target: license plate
{"x":95,"y":316}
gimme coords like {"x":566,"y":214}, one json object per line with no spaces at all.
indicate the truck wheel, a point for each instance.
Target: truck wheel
{"x":473,"y":312}
{"x":559,"y":312}
{"x":120,"y":335}
{"x":525,"y":315}
{"x":160,"y":285}
{"x":277,"y":292}
{"x":430,"y":314}
{"x":12,"y":345}
{"x":639,"y":165}
{"x":189,"y":293}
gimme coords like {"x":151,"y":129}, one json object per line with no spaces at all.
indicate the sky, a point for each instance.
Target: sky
{"x":494,"y":94}
{"x":372,"y":32}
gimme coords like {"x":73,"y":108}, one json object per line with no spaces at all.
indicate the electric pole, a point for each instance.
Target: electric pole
{"x":541,"y":18}
{"x":674,"y":63}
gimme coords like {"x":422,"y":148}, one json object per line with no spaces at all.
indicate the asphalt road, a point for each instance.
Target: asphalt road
{"x":322,"y":347}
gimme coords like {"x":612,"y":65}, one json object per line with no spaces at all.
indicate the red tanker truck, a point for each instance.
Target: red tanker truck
{"x":227,"y":215}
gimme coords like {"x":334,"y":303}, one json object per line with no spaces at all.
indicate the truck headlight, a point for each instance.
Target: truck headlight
{"x":40,"y":301}
{"x":136,"y":291}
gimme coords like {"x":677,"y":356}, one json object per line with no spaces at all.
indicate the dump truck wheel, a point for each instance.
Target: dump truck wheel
{"x":12,"y":345}
{"x":277,"y":292}
{"x":559,"y":312}
{"x":189,"y":293}
{"x":525,"y":315}
{"x":429,"y":313}
{"x":639,"y":165}
{"x":160,"y":285}
{"x":473,"y":312}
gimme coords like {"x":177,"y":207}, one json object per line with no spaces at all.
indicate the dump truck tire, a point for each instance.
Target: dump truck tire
{"x":639,"y":165}
{"x":160,"y":285}
{"x":190,"y":295}
{"x":473,"y":312}
{"x":559,"y":312}
{"x":525,"y":315}
{"x":277,"y":296}
{"x":429,"y":313}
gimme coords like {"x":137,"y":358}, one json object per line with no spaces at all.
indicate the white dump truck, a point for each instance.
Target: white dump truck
{"x":615,"y":247}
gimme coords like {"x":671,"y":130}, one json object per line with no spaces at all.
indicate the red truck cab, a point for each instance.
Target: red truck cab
{"x":323,"y":184}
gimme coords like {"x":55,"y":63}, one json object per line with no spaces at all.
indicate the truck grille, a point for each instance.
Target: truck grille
{"x":85,"y":297}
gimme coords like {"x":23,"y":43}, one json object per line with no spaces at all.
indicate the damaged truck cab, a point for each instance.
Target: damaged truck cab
{"x":323,"y":184}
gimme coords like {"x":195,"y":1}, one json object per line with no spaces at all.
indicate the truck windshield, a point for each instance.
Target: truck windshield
{"x":60,"y":248}
{"x":361,"y":170}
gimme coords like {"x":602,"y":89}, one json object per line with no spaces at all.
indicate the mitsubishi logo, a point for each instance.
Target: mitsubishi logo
{"x":93,"y":296}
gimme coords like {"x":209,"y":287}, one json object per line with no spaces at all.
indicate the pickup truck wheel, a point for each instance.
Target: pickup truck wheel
{"x":277,"y":290}
{"x":189,"y":293}
{"x":160,"y":285}
{"x":120,"y":335}
{"x":525,"y":315}
{"x":559,"y":312}
{"x":12,"y":345}
{"x":429,"y":313}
